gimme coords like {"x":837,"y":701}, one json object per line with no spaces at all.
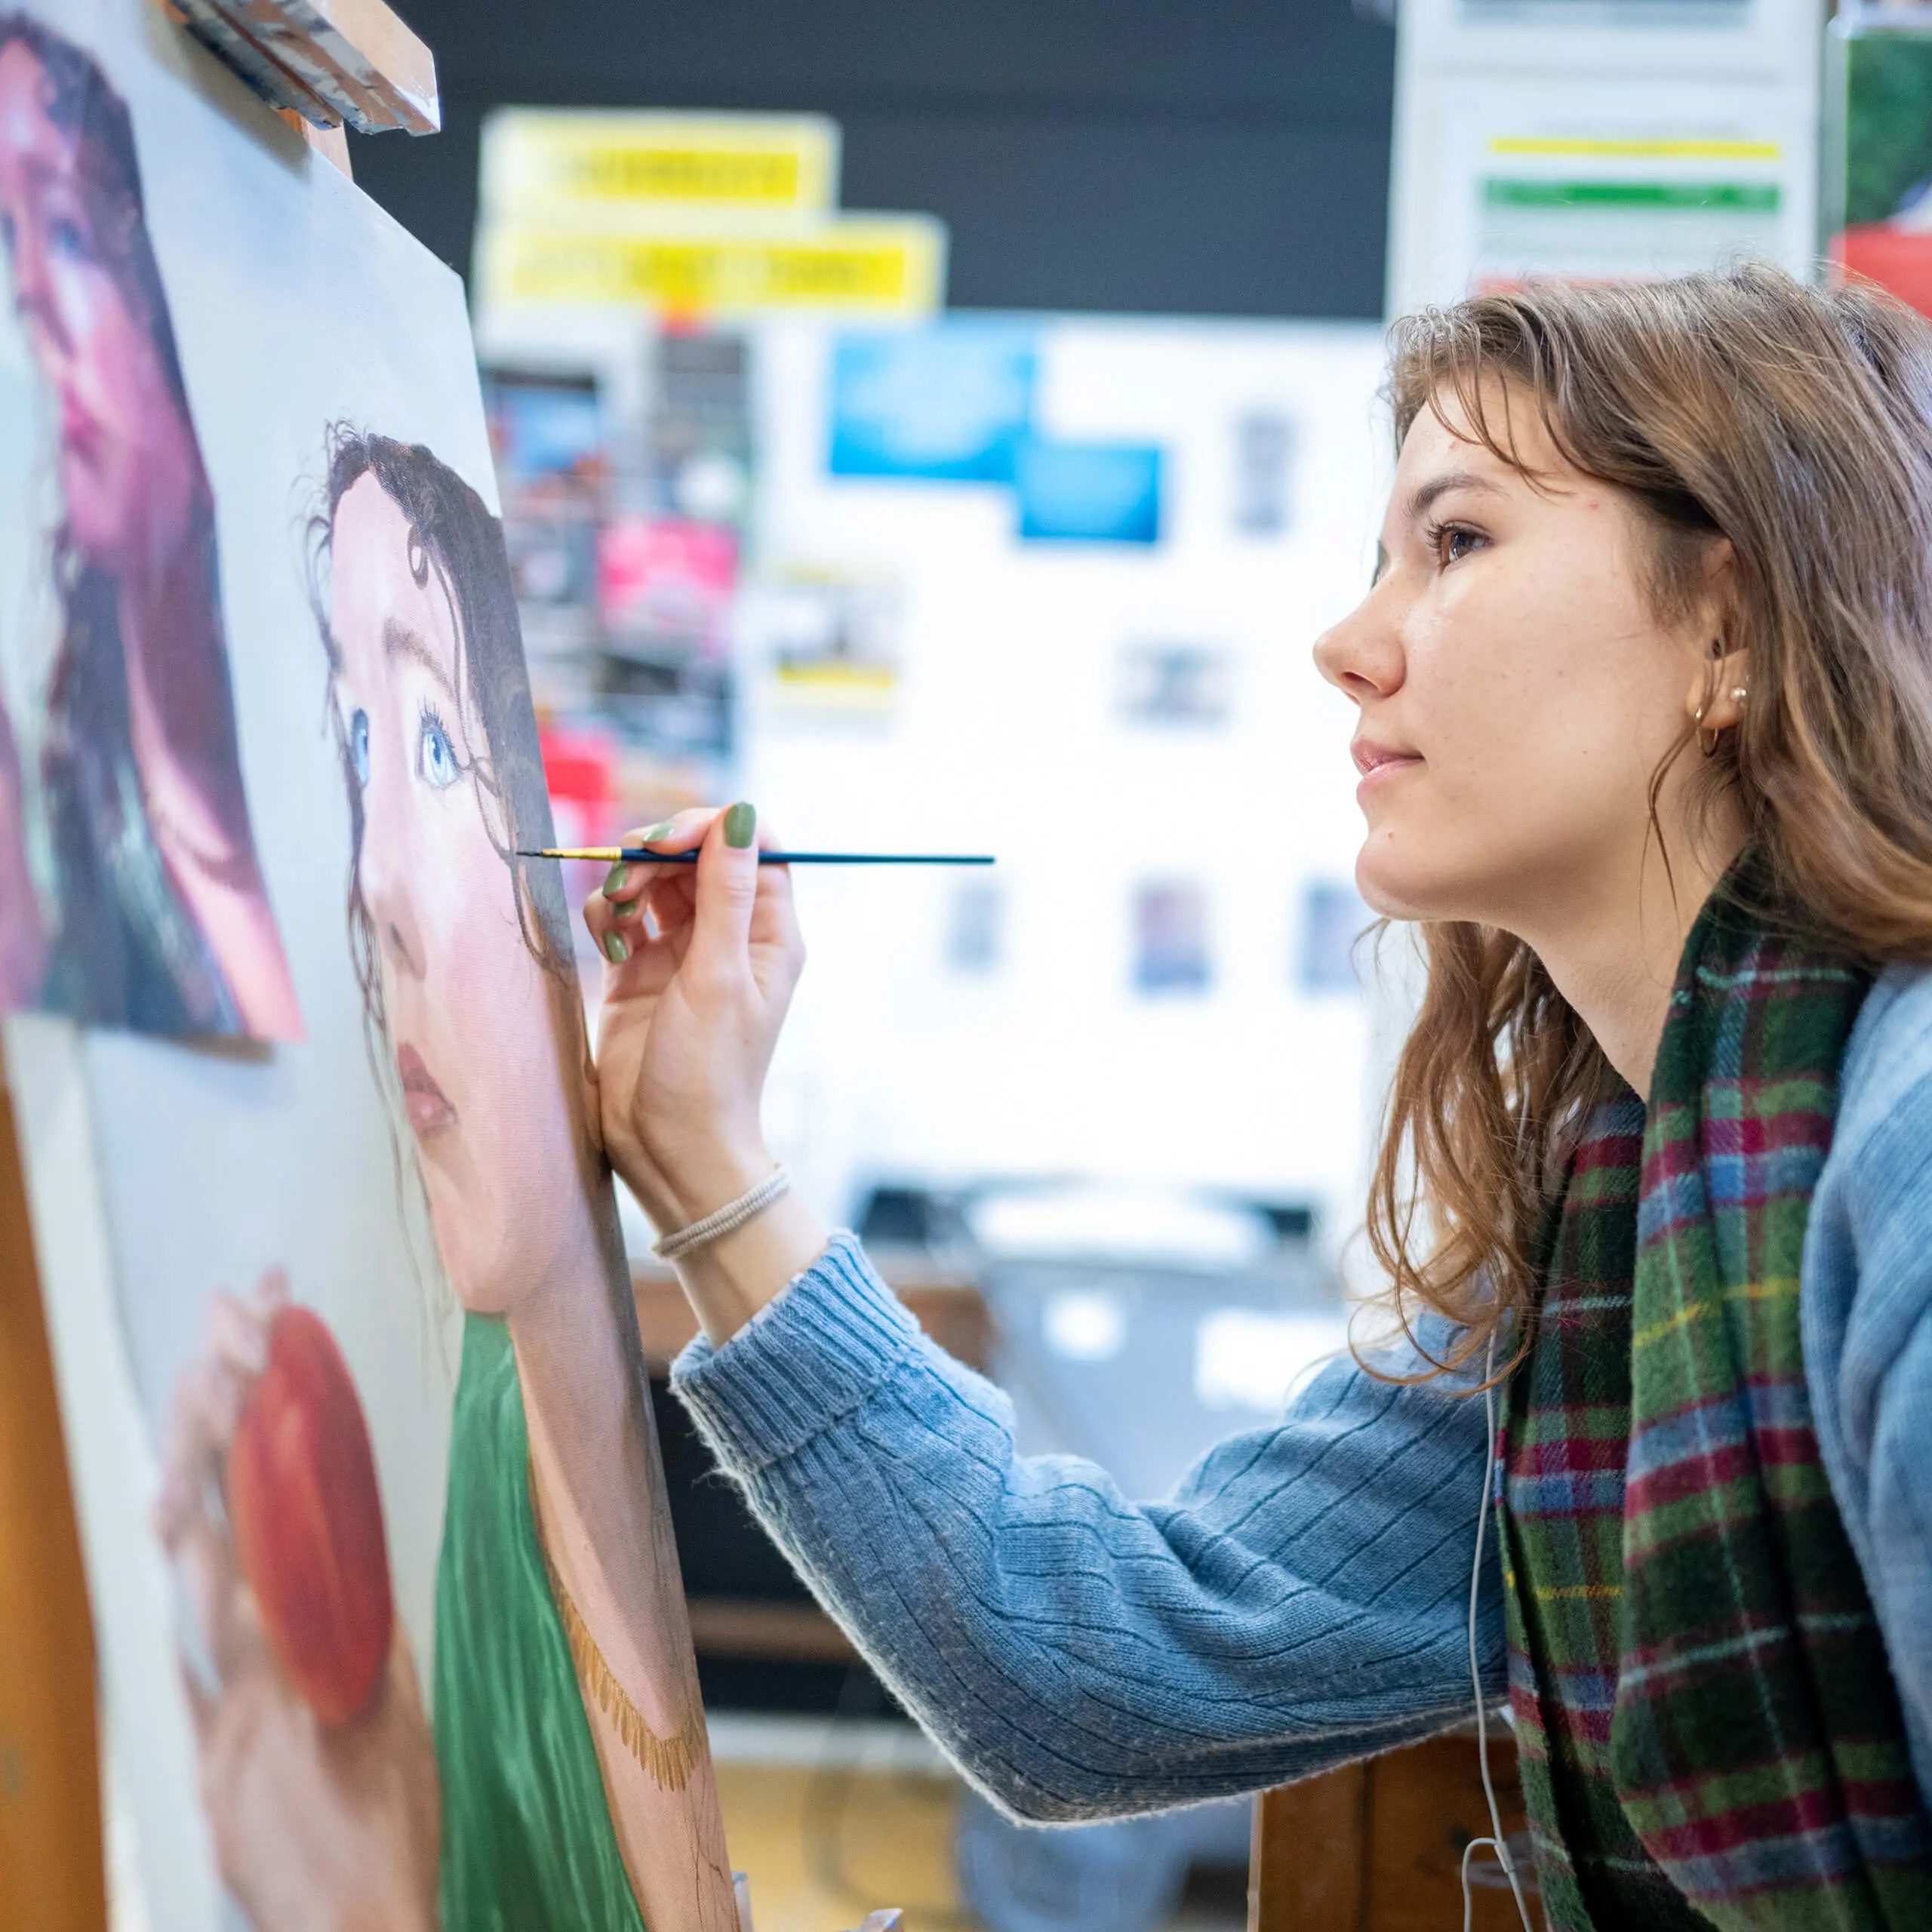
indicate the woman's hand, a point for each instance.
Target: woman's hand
{"x":317,"y":1827}
{"x":702,"y":961}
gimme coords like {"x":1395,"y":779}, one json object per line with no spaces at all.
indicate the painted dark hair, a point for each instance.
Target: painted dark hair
{"x":79,"y":102}
{"x":453,"y":539}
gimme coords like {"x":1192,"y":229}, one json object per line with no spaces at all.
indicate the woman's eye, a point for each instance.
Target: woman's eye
{"x":435,"y":756}
{"x":1457,"y":543}
{"x":358,"y":746}
{"x":67,"y":237}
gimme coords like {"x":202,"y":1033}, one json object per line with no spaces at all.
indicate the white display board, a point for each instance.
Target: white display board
{"x":1559,"y":136}
{"x":1019,"y":727}
{"x":1773,"y":41}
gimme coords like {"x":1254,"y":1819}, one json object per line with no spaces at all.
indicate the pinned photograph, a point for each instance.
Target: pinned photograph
{"x":1329,"y":951}
{"x":1171,"y":943}
{"x":1183,"y":684}
{"x":975,"y":928}
{"x":1264,"y":460}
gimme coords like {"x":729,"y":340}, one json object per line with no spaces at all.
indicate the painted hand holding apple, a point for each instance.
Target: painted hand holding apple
{"x":317,"y":1767}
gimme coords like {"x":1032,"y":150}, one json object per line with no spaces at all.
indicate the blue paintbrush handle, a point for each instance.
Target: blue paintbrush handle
{"x":644,"y":852}
{"x":641,"y":854}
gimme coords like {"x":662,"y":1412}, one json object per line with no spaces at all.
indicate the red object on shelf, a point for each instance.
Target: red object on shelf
{"x":580,"y":772}
{"x":1898,"y":259}
{"x":308,"y":1520}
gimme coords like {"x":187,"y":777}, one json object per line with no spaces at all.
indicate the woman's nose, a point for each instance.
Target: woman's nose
{"x":33,"y":289}
{"x":1362,"y":655}
{"x":383,"y":872}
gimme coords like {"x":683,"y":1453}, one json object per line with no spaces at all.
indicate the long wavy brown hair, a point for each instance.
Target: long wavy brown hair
{"x":1796,"y":423}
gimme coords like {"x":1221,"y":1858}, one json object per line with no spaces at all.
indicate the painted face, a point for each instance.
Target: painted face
{"x":470,"y":1012}
{"x":130,"y":476}
{"x":1517,"y":691}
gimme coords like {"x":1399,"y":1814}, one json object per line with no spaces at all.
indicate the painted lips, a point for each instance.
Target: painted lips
{"x":426,"y":1104}
{"x":80,"y":433}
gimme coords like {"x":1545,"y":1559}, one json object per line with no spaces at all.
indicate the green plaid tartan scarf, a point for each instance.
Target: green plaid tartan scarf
{"x":1707,"y":1728}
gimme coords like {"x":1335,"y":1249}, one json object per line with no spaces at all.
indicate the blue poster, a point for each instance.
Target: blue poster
{"x":1088,"y":493}
{"x":948,"y":404}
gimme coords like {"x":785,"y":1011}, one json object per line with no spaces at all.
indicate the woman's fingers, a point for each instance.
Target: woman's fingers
{"x":728,"y":881}
{"x":616,"y":914}
{"x":648,"y":919}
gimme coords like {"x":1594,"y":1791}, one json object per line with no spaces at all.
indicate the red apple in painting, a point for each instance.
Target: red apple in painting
{"x":308,"y":1519}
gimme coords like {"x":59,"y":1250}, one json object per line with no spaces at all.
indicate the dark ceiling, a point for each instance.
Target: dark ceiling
{"x":1209,"y":157}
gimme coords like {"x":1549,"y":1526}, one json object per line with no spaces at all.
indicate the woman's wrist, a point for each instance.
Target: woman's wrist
{"x":678,"y":1186}
{"x":729,"y":1280}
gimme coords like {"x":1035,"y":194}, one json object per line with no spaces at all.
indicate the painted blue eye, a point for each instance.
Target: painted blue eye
{"x":435,"y":756}
{"x":358,"y":746}
{"x":65,"y":237}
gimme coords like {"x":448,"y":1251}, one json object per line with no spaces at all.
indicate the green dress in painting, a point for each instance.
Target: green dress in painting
{"x":527,"y":1842}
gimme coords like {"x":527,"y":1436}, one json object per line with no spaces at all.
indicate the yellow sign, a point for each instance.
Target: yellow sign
{"x":549,"y":160}
{"x":882,"y":265}
{"x":1644,"y":147}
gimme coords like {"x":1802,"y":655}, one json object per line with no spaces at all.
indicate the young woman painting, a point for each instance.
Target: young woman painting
{"x":153,"y":914}
{"x":1645,"y":682}
{"x":569,"y":1740}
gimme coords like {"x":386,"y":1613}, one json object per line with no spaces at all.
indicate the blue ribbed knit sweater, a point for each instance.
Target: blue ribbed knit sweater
{"x":1303,"y":1597}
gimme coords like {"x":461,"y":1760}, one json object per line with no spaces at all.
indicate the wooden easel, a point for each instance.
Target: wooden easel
{"x":53,"y":1876}
{"x":1378,"y":1847}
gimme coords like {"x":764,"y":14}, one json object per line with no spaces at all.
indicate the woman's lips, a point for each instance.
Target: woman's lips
{"x":80,"y":433}
{"x":427,"y":1105}
{"x":1376,"y":761}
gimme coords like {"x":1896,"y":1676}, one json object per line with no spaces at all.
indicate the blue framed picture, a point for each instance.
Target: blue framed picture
{"x":1088,"y":493}
{"x":949,"y":403}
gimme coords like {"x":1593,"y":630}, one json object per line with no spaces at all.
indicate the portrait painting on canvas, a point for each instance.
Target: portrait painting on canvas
{"x":131,"y":894}
{"x":388,"y":1602}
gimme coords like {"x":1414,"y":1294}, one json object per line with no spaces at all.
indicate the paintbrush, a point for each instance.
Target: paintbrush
{"x":641,"y":854}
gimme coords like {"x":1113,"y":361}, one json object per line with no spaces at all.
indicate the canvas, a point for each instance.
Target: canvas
{"x":387,"y":1604}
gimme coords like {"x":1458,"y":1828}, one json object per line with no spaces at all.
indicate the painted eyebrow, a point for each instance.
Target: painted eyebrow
{"x":399,"y":640}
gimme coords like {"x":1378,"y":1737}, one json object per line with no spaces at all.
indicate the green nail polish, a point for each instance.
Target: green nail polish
{"x":657,"y":832}
{"x":740,"y":826}
{"x":615,"y":948}
{"x":615,"y":880}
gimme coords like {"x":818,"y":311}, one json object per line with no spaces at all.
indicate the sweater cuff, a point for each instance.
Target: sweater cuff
{"x":801,"y":1364}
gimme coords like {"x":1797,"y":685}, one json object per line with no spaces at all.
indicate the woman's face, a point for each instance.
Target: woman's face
{"x":130,"y":477}
{"x":470,"y":1014}
{"x":1517,"y":690}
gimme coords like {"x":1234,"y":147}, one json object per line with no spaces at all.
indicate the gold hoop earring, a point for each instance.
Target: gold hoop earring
{"x":1707,"y":741}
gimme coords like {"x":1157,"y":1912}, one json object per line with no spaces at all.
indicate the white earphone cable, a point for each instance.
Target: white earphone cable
{"x":1497,"y":1842}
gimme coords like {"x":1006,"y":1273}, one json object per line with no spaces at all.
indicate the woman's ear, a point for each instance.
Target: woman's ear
{"x":1720,"y":682}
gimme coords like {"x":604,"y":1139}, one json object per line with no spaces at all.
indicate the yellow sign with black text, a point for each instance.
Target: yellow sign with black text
{"x":887,"y":266}
{"x":551,"y":160}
